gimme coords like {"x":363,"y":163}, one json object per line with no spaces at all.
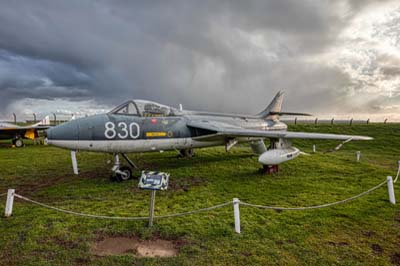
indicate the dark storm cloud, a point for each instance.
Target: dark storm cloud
{"x":23,"y":77}
{"x":200,"y":53}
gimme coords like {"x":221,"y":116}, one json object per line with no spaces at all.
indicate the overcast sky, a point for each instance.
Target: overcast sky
{"x":337,"y":57}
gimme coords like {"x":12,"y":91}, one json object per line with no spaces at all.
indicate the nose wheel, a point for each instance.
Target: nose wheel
{"x":121,"y":173}
{"x":124,"y":174}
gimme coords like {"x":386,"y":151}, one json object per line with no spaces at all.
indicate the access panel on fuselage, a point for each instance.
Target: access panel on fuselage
{"x":164,"y":128}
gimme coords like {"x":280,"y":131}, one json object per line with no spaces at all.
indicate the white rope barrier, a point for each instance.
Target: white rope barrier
{"x":208,"y":208}
{"x":398,"y":173}
{"x":194,"y":212}
{"x":387,"y":181}
{"x":236,"y":202}
{"x":316,"y":206}
{"x":121,"y":218}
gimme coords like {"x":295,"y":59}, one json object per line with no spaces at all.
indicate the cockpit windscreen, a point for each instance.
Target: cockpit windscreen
{"x":145,"y":108}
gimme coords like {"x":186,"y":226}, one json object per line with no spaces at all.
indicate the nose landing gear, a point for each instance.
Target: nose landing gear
{"x":121,"y":173}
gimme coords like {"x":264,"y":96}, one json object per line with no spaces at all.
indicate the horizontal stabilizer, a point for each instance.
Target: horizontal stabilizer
{"x":274,"y":107}
{"x":273,"y":110}
{"x":289,"y":113}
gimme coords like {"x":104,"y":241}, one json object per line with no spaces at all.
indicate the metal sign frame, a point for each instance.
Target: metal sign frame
{"x":152,"y":180}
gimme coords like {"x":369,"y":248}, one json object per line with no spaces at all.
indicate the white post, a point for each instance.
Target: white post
{"x":236,"y":214}
{"x":314,"y":148}
{"x":392,"y":198}
{"x":10,"y":202}
{"x":358,"y":156}
{"x":151,"y":212}
{"x":74,"y":162}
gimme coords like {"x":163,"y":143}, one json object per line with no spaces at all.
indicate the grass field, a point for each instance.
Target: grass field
{"x":362,"y":232}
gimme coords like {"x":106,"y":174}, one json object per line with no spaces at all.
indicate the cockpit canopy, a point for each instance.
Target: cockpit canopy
{"x":144,"y":108}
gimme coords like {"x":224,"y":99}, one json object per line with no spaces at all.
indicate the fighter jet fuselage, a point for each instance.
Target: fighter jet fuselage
{"x":117,"y":133}
{"x":142,"y":126}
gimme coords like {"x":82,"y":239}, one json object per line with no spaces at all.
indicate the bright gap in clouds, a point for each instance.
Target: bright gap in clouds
{"x":64,"y":109}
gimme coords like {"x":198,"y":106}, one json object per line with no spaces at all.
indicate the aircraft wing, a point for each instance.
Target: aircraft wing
{"x":212,"y":130}
{"x":23,"y":129}
{"x":29,"y":132}
{"x":29,"y":127}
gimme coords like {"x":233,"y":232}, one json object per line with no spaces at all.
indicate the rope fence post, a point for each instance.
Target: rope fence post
{"x":9,"y":203}
{"x":392,"y":198}
{"x":151,"y":212}
{"x":358,"y":155}
{"x":236,"y":214}
{"x":314,"y":148}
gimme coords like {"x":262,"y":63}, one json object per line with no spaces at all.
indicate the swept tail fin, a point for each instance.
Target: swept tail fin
{"x":273,"y":110}
{"x":44,"y":122}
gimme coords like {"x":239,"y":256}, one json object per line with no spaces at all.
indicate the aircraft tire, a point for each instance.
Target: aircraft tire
{"x":18,"y":143}
{"x":186,"y":153}
{"x":125,"y":169}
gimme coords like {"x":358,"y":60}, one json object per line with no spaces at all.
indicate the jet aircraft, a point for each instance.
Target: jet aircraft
{"x":18,"y":133}
{"x":145,"y":126}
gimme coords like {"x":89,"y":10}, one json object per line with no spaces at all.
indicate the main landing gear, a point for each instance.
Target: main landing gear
{"x":270,"y":169}
{"x":186,"y":153}
{"x":122,"y":173}
{"x":18,"y":142}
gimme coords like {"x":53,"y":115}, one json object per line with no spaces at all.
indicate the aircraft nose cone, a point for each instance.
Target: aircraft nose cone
{"x":64,"y":132}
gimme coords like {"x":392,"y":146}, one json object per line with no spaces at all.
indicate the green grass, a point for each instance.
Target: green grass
{"x":362,"y":232}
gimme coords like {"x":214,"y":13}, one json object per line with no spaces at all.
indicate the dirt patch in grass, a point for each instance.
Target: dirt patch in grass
{"x":377,"y":248}
{"x":395,"y":258}
{"x":369,"y":233}
{"x":157,"y":248}
{"x":397,"y":217}
{"x":338,"y":244}
{"x":43,"y":183}
{"x":32,"y":187}
{"x":127,"y":245}
{"x":186,"y":183}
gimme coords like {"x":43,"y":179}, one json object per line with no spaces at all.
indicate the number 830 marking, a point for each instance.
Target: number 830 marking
{"x":133,"y":130}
